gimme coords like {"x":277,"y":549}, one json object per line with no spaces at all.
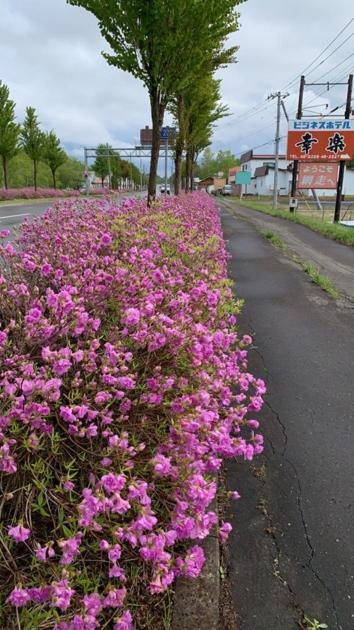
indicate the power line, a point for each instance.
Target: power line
{"x":335,"y":67}
{"x":320,"y":54}
{"x":259,"y":146}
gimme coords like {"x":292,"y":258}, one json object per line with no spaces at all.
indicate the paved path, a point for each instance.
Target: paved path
{"x":292,"y":548}
{"x":333,"y":259}
{"x":12,"y":215}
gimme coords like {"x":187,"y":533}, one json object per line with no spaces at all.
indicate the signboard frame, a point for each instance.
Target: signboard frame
{"x":320,"y":175}
{"x":320,"y":140}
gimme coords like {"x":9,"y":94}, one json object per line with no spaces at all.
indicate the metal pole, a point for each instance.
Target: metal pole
{"x":109,"y":169}
{"x":277,"y":142}
{"x":298,"y":117}
{"x":166,"y":160}
{"x":342,"y":163}
{"x":87,"y":176}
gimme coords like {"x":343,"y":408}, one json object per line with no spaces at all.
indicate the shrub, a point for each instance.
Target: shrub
{"x":30,"y":193}
{"x":123,"y":387}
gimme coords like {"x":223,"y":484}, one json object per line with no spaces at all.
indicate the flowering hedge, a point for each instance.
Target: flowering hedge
{"x":30,"y":193}
{"x":123,"y":386}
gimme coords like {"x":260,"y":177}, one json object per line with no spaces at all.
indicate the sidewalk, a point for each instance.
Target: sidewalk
{"x":333,"y":259}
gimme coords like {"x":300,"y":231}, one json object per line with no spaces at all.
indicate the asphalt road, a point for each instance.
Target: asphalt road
{"x":292,"y":547}
{"x":332,"y":258}
{"x":13,"y":215}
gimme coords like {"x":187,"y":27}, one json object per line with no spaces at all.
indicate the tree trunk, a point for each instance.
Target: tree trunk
{"x":4,"y":166}
{"x":188,"y":169}
{"x":179,"y":144}
{"x":54,"y":179}
{"x":157,"y":114}
{"x":178,"y":165}
{"x":35,"y":173}
{"x":102,"y":182}
{"x":191,"y":172}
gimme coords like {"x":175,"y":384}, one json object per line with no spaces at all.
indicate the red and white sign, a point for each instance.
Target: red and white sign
{"x":317,"y":175}
{"x":320,"y":139}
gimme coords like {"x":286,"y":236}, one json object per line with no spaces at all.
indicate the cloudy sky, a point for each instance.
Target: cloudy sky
{"x":50,"y":59}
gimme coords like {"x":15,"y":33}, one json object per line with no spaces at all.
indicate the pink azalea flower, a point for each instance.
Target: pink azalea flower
{"x":19,"y":533}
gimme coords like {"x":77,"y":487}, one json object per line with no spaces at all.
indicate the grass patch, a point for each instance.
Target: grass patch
{"x":275,"y":240}
{"x":322,"y":281}
{"x":330,"y":230}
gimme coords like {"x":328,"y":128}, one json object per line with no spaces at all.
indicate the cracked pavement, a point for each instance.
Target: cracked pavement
{"x":291,"y":549}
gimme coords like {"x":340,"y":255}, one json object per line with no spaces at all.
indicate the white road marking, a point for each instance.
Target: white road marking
{"x":12,"y":216}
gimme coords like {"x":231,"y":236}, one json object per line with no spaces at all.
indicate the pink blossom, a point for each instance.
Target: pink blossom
{"x":115,"y":598}
{"x":224,"y":531}
{"x":131,"y":317}
{"x":125,"y":622}
{"x":19,"y":597}
{"x":19,"y":533}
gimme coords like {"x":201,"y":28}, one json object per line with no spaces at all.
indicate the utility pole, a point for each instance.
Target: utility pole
{"x":279,"y":96}
{"x":296,"y":162}
{"x":87,"y":175}
{"x":109,"y":167}
{"x":166,"y":163}
{"x":342,"y":163}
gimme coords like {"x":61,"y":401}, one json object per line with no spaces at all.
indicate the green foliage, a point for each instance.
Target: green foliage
{"x":20,"y":173}
{"x":334,"y":231}
{"x":101,"y":164}
{"x":212,"y":163}
{"x":9,"y":129}
{"x":165,"y":44}
{"x":32,"y":140}
{"x":71,"y":174}
{"x":53,"y":154}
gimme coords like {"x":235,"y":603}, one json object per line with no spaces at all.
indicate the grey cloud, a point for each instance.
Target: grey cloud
{"x":50,"y":58}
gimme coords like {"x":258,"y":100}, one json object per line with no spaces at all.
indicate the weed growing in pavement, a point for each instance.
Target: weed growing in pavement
{"x":322,"y":281}
{"x":275,"y":240}
{"x":313,"y":624}
{"x":333,"y":231}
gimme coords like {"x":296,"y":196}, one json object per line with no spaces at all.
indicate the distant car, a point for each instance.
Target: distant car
{"x":168,"y":190}
{"x":226,"y":190}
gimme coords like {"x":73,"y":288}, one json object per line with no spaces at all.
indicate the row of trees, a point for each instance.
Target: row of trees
{"x":174,"y":47}
{"x":108,"y":163}
{"x":36,"y":144}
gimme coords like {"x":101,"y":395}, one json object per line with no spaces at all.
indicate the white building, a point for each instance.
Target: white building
{"x":261,"y":168}
{"x":254,"y":164}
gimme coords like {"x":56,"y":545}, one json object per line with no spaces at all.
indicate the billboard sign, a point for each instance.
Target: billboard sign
{"x":320,"y":139}
{"x":317,"y":175}
{"x":243,"y":177}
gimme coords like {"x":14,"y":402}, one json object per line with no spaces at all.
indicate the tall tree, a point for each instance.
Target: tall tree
{"x":32,"y":140}
{"x":53,"y":154}
{"x":101,"y":166}
{"x":9,"y":130}
{"x":202,"y":110}
{"x":163,"y":43}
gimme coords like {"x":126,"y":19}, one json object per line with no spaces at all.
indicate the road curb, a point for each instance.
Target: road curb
{"x":196,"y":604}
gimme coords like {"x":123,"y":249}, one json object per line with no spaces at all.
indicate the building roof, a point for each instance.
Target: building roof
{"x":249,"y":155}
{"x":265,"y":168}
{"x":234,"y":170}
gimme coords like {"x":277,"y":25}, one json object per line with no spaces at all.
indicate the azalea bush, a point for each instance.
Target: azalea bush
{"x":123,"y":387}
{"x":30,"y":193}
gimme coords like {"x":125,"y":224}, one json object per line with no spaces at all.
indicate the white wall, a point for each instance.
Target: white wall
{"x":251,"y":166}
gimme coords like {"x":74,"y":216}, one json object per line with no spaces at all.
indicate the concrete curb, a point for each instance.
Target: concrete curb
{"x":196,"y":603}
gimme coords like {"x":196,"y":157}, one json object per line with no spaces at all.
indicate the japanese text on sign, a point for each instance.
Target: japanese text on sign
{"x":317,"y":175}
{"x":320,"y":140}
